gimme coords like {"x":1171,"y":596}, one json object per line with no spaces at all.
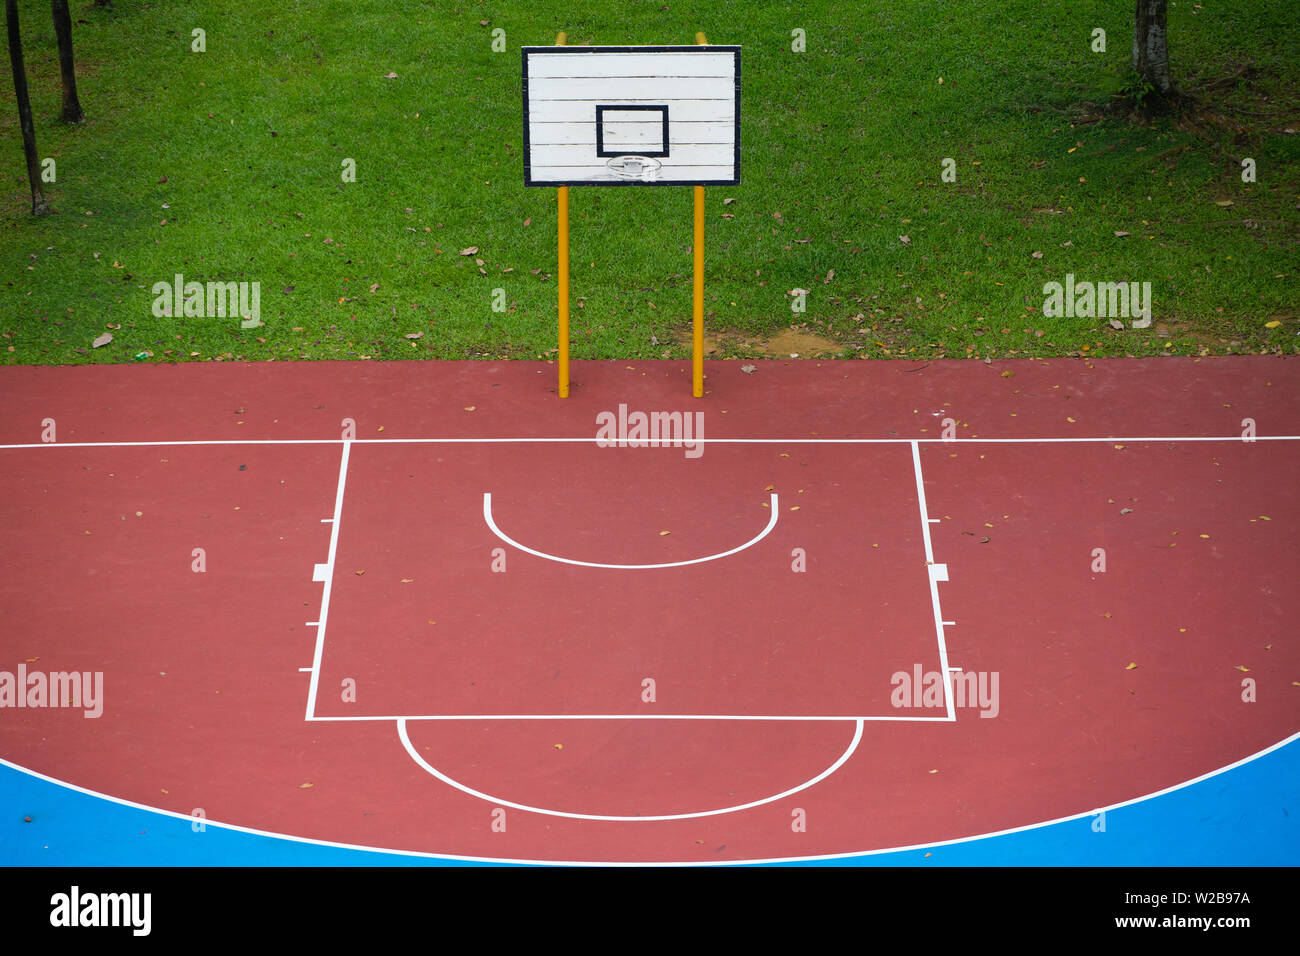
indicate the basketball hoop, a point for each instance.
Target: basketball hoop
{"x":644,"y":168}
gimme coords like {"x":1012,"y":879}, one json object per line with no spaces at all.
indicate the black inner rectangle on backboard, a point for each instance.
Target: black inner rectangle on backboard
{"x":613,"y":130}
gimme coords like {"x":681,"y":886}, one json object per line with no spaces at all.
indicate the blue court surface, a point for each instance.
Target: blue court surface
{"x":1245,"y":815}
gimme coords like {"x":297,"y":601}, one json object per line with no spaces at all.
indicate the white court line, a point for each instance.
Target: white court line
{"x":328,"y":578}
{"x":820,"y":717}
{"x":656,"y":441}
{"x":424,"y":855}
{"x":410,"y":749}
{"x":774,"y":505}
{"x":937,"y":572}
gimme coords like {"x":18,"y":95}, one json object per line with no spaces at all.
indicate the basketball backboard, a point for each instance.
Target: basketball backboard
{"x":631,"y":115}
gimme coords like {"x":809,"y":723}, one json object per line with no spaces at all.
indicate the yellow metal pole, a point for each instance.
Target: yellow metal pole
{"x":563,"y":199}
{"x":562,"y":203}
{"x":697,"y":362}
{"x":697,"y":337}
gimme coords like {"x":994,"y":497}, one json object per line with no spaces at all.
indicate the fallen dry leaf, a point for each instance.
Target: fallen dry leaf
{"x":469,"y":251}
{"x":101,"y":340}
{"x":1131,"y":666}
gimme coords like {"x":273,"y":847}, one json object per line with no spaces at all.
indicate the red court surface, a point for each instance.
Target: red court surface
{"x":450,"y":618}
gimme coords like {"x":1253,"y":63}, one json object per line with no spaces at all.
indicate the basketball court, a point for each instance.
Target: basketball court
{"x":867,"y":606}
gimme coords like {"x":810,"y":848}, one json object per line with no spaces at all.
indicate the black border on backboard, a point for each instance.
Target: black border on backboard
{"x":705,"y":48}
{"x":626,"y":108}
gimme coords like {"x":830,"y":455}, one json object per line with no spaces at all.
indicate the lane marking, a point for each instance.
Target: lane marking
{"x":487,"y":517}
{"x":496,"y":801}
{"x":937,"y":573}
{"x":841,"y":717}
{"x":329,"y":581}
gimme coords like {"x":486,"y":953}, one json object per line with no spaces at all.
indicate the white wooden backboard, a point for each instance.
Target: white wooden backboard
{"x":672,"y":111}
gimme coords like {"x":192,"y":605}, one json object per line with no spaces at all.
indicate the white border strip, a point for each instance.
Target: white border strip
{"x":653,"y":441}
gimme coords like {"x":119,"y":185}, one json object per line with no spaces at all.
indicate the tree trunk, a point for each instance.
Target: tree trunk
{"x":63,"y":30}
{"x":1151,"y":48}
{"x":39,"y":207}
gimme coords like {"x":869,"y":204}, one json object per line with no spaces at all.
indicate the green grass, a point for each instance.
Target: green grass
{"x":226,"y":165}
